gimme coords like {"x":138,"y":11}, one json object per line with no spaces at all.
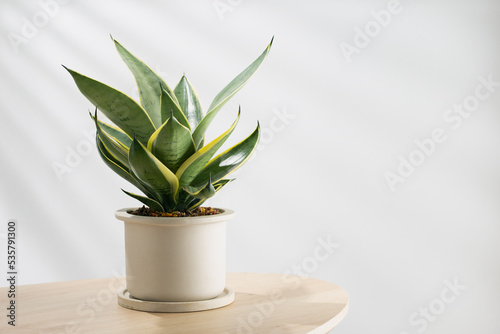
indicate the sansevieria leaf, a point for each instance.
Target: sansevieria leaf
{"x":169,"y":106}
{"x":221,"y":99}
{"x":172,"y":144}
{"x":153,"y":204}
{"x":118,"y":107}
{"x":229,"y":160}
{"x":203,"y":192}
{"x":114,"y":132}
{"x":152,"y":171}
{"x":117,"y":149}
{"x":217,"y":186}
{"x":118,"y":168}
{"x":148,"y":83}
{"x":221,"y":183}
{"x":195,"y":163}
{"x":189,"y":102}
{"x":111,"y":161}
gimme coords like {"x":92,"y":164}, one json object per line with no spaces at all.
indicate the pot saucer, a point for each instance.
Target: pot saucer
{"x":127,"y":301}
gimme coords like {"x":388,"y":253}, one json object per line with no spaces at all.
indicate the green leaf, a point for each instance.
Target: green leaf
{"x":153,"y":204}
{"x":148,"y":83}
{"x":169,"y":106}
{"x":114,"y":132}
{"x":202,"y":192}
{"x":195,"y":163}
{"x":147,"y":168}
{"x":111,"y":161}
{"x":232,"y":88}
{"x":196,"y":202}
{"x":118,"y":107}
{"x":116,"y":149}
{"x":189,"y":102}
{"x":117,"y":167}
{"x":172,"y":144}
{"x":229,"y":160}
{"x":221,"y":183}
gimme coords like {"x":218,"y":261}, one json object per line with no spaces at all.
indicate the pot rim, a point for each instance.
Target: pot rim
{"x":126,"y":217}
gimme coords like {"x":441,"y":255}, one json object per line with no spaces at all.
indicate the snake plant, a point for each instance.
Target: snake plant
{"x":158,"y":144}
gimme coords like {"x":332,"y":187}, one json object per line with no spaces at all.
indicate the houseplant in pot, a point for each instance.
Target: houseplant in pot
{"x":175,"y":248}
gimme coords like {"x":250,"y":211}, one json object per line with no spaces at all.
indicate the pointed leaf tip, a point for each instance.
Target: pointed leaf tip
{"x":225,"y":94}
{"x":68,"y":69}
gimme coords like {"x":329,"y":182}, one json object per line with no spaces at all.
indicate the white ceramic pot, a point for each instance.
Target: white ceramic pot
{"x":175,"y":259}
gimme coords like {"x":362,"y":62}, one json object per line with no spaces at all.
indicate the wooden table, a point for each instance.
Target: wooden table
{"x":265,"y":303}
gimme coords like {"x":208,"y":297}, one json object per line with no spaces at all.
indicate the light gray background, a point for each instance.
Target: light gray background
{"x":334,"y":128}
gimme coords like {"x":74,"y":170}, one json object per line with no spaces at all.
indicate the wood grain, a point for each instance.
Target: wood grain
{"x":265,"y":303}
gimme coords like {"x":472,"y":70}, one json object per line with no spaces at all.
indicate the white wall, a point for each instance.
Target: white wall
{"x":336,"y":123}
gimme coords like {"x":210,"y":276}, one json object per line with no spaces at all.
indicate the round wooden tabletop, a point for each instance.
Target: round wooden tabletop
{"x":264,"y":303}
{"x":275,"y":304}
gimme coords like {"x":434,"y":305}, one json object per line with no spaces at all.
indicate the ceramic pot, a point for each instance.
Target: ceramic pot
{"x":175,"y":259}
